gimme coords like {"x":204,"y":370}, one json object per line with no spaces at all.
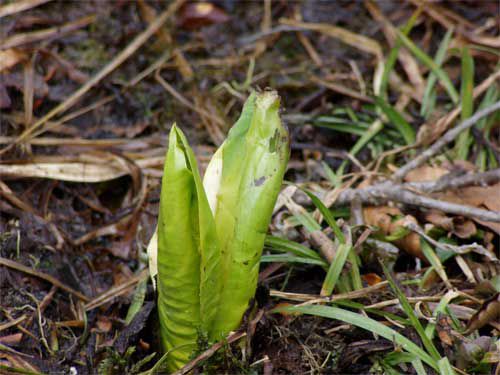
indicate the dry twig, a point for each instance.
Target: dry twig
{"x":450,"y":182}
{"x":449,"y":136}
{"x":20,"y":267}
{"x":210,"y":352}
{"x":19,"y":6}
{"x":117,"y":61}
{"x":387,"y":191}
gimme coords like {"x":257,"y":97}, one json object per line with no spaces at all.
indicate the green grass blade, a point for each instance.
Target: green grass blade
{"x":287,"y":258}
{"x":330,"y":174}
{"x":356,"y":130}
{"x":418,"y":366}
{"x":395,"y":358}
{"x":303,"y":217}
{"x":351,"y":114}
{"x":382,"y":313}
{"x":428,"y":344}
{"x":374,"y":129}
{"x":335,"y":269}
{"x":137,"y":300}
{"x":490,"y":97}
{"x":366,"y":323}
{"x":307,"y":221}
{"x":440,"y":309}
{"x":404,"y":128}
{"x":435,"y":261}
{"x":356,"y":281}
{"x":284,"y":245}
{"x":445,"y":367}
{"x":427,"y":61}
{"x":465,"y":139}
{"x":327,"y":215}
{"x":393,"y":55}
{"x":429,"y":98}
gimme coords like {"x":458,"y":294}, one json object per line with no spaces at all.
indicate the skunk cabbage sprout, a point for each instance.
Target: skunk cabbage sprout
{"x":242,"y":182}
{"x":210,"y":236}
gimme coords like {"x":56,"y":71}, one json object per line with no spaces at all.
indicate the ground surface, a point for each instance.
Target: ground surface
{"x":88,"y":92}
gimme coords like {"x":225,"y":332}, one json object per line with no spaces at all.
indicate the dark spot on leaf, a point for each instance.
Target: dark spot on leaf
{"x":259,"y":181}
{"x":273,"y":142}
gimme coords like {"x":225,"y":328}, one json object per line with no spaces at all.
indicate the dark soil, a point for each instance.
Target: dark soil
{"x":92,"y":236}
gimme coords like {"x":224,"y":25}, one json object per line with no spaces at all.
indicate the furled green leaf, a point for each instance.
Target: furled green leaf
{"x":188,"y":255}
{"x":242,"y":182}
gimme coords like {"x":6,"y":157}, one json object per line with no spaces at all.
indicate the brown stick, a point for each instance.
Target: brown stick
{"x":20,"y":267}
{"x":210,"y":352}
{"x":116,"y":291}
{"x":449,"y":136}
{"x":448,"y":182}
{"x":19,"y":6}
{"x":116,"y":62}
{"x":388,"y":191}
{"x":37,"y":36}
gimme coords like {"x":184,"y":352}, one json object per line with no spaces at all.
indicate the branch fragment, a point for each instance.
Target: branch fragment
{"x":449,"y":136}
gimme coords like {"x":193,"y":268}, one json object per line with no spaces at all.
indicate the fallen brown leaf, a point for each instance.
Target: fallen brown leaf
{"x":444,"y":328}
{"x":371,"y":278}
{"x":383,"y":217}
{"x":104,"y":323}
{"x":90,"y":167}
{"x":11,"y":340}
{"x":196,"y":15}
{"x":284,"y":305}
{"x":425,"y":173}
{"x":459,"y":226}
{"x":476,"y":196}
{"x":10,"y":58}
{"x":489,"y":312}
